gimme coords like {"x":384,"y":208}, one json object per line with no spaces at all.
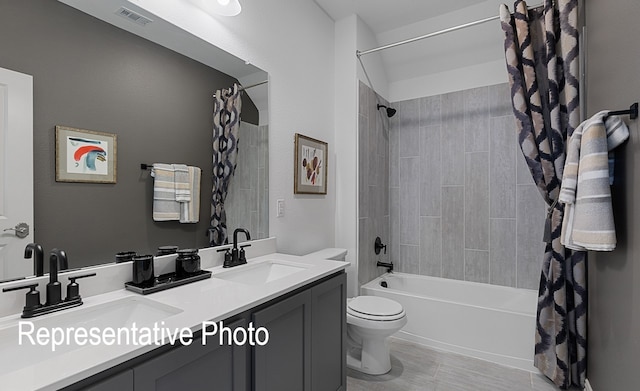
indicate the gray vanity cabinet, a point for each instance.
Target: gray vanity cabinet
{"x":285,"y":362}
{"x":328,"y":335}
{"x":305,"y":352}
{"x":196,"y":367}
{"x":306,"y":349}
{"x":122,"y":381}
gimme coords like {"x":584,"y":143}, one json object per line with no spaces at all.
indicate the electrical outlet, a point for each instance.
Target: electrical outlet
{"x":280,"y":208}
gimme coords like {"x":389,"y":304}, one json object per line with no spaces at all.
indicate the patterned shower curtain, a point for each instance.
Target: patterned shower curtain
{"x":226,"y":123}
{"x":541,"y":50}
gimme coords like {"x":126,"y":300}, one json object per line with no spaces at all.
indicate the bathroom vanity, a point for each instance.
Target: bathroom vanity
{"x":300,"y":301}
{"x":301,"y":354}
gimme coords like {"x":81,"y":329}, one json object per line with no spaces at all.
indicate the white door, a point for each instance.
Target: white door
{"x":16,"y":171}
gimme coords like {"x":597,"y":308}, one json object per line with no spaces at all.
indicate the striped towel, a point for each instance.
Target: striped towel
{"x":182,"y":185}
{"x":190,"y":211}
{"x":165,"y":206}
{"x":588,"y":215}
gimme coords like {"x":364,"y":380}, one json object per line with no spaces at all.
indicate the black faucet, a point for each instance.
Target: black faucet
{"x":38,"y":257}
{"x":388,"y":265}
{"x":54,"y":291}
{"x":237,"y":255}
{"x":57,"y":261}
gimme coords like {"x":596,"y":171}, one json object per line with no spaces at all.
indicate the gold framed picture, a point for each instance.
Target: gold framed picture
{"x":85,"y":156}
{"x":310,"y":166}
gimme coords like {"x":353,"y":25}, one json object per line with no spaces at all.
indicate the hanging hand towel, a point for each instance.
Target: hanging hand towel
{"x":182,"y":185}
{"x":588,"y":215}
{"x":190,"y":211}
{"x":165,"y":206}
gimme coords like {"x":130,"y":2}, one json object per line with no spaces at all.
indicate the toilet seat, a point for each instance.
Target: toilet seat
{"x":375,"y":308}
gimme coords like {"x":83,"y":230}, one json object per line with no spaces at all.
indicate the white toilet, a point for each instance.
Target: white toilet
{"x":370,"y":320}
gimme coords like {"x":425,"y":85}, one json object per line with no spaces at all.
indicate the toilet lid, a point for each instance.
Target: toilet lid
{"x":375,"y":307}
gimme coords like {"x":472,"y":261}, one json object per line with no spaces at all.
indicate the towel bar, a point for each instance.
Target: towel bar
{"x":633,"y":112}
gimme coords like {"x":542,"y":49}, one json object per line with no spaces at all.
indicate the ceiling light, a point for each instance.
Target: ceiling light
{"x":219,"y":7}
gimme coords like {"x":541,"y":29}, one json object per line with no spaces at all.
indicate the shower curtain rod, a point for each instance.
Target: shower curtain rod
{"x":242,"y":88}
{"x":447,"y":30}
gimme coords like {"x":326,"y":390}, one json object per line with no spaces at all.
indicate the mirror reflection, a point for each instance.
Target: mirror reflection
{"x":93,"y":74}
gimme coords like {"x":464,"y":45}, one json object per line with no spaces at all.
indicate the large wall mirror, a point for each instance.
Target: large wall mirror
{"x":153,"y":87}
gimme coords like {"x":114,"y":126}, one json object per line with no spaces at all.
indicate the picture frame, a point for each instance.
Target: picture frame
{"x":85,"y":156}
{"x":310,"y":165}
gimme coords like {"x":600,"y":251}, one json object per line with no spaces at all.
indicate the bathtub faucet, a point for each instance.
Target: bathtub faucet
{"x":388,"y":265}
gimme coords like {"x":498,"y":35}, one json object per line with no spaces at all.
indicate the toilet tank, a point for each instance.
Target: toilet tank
{"x":335,"y":254}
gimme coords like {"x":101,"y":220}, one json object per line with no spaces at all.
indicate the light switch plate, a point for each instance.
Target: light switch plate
{"x":280,"y":208}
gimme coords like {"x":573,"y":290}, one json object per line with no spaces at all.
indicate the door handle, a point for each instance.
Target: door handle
{"x":21,"y":230}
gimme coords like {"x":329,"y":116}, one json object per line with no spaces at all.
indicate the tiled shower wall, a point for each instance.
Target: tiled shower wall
{"x":373,"y":184}
{"x":247,"y":202}
{"x":462,"y":203}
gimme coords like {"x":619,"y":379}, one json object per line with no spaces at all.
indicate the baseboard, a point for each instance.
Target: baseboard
{"x":587,"y":385}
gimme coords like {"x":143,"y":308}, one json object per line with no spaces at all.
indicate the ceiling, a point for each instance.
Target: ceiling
{"x":396,"y":20}
{"x":176,"y":39}
{"x":385,"y":15}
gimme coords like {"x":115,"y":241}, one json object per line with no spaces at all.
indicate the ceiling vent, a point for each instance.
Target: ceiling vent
{"x":133,"y":16}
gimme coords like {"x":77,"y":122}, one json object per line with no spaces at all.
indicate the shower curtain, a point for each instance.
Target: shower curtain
{"x":541,"y":50}
{"x":226,"y":123}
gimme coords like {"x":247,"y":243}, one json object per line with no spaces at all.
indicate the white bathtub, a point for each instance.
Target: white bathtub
{"x":490,"y":322}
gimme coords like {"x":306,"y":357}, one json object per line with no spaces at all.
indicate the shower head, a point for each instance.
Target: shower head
{"x":390,"y":111}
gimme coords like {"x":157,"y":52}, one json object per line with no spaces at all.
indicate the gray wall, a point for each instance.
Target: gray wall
{"x":614,"y":278}
{"x":90,"y":75}
{"x":373,"y":184}
{"x":463,"y":204}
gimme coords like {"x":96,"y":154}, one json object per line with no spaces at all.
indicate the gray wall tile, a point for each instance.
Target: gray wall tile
{"x":476,"y":119}
{"x":476,"y":266}
{"x":373,"y":195}
{"x":431,"y":246}
{"x":363,"y":99}
{"x":430,"y":109}
{"x":530,"y":227}
{"x":409,"y":259}
{"x":385,"y":183}
{"x":373,"y":183}
{"x":363,"y":250}
{"x":430,"y":171}
{"x":385,"y":235}
{"x":453,"y":232}
{"x":409,"y":125}
{"x":394,"y":153}
{"x":394,"y":225}
{"x":247,"y":200}
{"x":375,"y":175}
{"x":430,"y":200}
{"x":363,"y":166}
{"x":409,"y":200}
{"x":500,"y":101}
{"x":476,"y":207}
{"x":503,"y":252}
{"x":453,"y":140}
{"x":502,"y":167}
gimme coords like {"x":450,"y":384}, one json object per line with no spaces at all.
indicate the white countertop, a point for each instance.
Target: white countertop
{"x":212,"y":299}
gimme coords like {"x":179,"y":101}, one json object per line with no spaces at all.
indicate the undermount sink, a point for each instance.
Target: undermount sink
{"x":261,"y":273}
{"x":116,"y":314}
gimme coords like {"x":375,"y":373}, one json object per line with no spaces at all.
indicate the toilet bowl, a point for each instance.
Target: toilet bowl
{"x":370,"y":320}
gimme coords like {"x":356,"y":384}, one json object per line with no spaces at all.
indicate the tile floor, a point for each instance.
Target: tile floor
{"x":415,"y":367}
